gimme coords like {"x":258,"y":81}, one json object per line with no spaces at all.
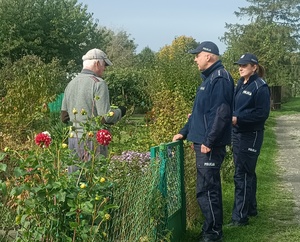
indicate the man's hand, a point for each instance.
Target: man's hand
{"x":64,"y":116}
{"x":123,"y":110}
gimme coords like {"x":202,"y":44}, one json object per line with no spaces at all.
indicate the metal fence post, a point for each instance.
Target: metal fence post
{"x":171,"y":186}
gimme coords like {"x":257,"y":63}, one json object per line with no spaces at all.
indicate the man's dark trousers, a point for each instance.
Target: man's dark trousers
{"x":209,"y":190}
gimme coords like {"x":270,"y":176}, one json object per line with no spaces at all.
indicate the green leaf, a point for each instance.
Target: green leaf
{"x":16,"y":191}
{"x":68,"y":214}
{"x":87,"y":207}
{"x":18,"y":172}
{"x":111,"y":206}
{"x":74,"y":225}
{"x":23,"y":218}
{"x":3,"y":187}
{"x":61,"y":196}
{"x":71,"y":203}
{"x":2,"y":166}
{"x":2,"y":156}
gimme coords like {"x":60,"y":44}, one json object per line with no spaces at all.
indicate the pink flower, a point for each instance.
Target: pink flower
{"x":103,"y":137}
{"x":43,"y":139}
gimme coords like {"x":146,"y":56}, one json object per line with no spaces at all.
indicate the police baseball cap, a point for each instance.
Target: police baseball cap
{"x":206,"y":46}
{"x":97,"y":54}
{"x":247,"y":59}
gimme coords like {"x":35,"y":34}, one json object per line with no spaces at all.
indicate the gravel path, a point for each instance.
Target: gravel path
{"x":287,"y":132}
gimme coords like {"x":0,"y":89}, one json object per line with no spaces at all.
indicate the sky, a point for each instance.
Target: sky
{"x":156,"y":23}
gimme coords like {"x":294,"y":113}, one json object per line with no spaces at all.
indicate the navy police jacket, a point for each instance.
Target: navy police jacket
{"x":210,"y":121}
{"x":251,"y":104}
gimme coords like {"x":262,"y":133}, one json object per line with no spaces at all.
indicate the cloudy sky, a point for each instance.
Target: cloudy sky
{"x":155,"y":23}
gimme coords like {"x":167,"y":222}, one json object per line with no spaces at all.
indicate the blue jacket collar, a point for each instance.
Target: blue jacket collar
{"x":251,"y":79}
{"x":217,"y":65}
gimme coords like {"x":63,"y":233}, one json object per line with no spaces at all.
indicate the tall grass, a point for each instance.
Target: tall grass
{"x":275,"y":221}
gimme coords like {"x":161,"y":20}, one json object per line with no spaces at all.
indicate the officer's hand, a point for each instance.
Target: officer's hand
{"x":177,"y":137}
{"x":234,"y":120}
{"x":205,"y":149}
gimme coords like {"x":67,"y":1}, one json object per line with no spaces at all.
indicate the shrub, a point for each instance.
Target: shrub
{"x":169,"y":114}
{"x":175,"y":69}
{"x":30,"y":84}
{"x":128,"y":87}
{"x":52,"y":205}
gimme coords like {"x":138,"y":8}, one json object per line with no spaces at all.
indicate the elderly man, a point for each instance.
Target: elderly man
{"x":88,"y":93}
{"x":209,"y":128}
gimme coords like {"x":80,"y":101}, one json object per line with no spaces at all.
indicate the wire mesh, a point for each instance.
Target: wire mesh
{"x":140,"y":208}
{"x":173,"y":180}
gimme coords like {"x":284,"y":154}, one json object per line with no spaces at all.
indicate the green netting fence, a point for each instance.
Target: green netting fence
{"x":152,"y":204}
{"x":172,"y":186}
{"x":55,"y":106}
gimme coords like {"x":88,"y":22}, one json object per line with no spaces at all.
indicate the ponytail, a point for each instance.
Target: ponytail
{"x":260,"y":71}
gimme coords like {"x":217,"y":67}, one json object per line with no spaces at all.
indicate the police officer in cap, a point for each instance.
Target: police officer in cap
{"x":250,"y":112}
{"x":209,"y":129}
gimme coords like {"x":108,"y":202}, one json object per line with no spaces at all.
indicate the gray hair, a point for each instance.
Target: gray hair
{"x":90,"y":63}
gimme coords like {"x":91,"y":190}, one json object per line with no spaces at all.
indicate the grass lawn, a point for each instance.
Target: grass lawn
{"x":275,"y":221}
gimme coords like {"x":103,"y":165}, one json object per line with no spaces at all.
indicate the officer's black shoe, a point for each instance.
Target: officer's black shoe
{"x":235,"y":223}
{"x":211,"y":238}
{"x":252,"y":214}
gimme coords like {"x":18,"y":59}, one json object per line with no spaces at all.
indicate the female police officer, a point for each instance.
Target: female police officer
{"x":250,"y":112}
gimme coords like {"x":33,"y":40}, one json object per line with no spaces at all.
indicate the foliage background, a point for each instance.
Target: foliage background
{"x":41,"y":50}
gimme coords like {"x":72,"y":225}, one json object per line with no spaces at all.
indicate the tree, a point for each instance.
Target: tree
{"x":47,"y":28}
{"x":120,"y":48}
{"x":272,"y":43}
{"x":145,"y":59}
{"x":282,"y":12}
{"x":175,"y":69}
{"x":270,"y":36}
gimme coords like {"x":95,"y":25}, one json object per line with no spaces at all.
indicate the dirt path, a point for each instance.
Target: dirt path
{"x":287,"y":132}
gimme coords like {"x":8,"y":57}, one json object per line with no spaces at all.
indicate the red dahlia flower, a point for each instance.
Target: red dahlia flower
{"x":103,"y":137}
{"x":43,"y":139}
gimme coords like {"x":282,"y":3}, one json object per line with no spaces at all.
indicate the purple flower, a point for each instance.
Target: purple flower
{"x":140,"y":158}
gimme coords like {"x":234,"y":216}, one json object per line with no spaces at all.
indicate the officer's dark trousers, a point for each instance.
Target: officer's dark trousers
{"x":209,"y":190}
{"x":246,"y":149}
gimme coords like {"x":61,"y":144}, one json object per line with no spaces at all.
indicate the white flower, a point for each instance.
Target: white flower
{"x":46,"y":133}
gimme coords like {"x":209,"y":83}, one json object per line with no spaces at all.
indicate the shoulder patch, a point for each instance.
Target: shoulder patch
{"x":259,"y":82}
{"x":220,"y":73}
{"x":95,"y":79}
